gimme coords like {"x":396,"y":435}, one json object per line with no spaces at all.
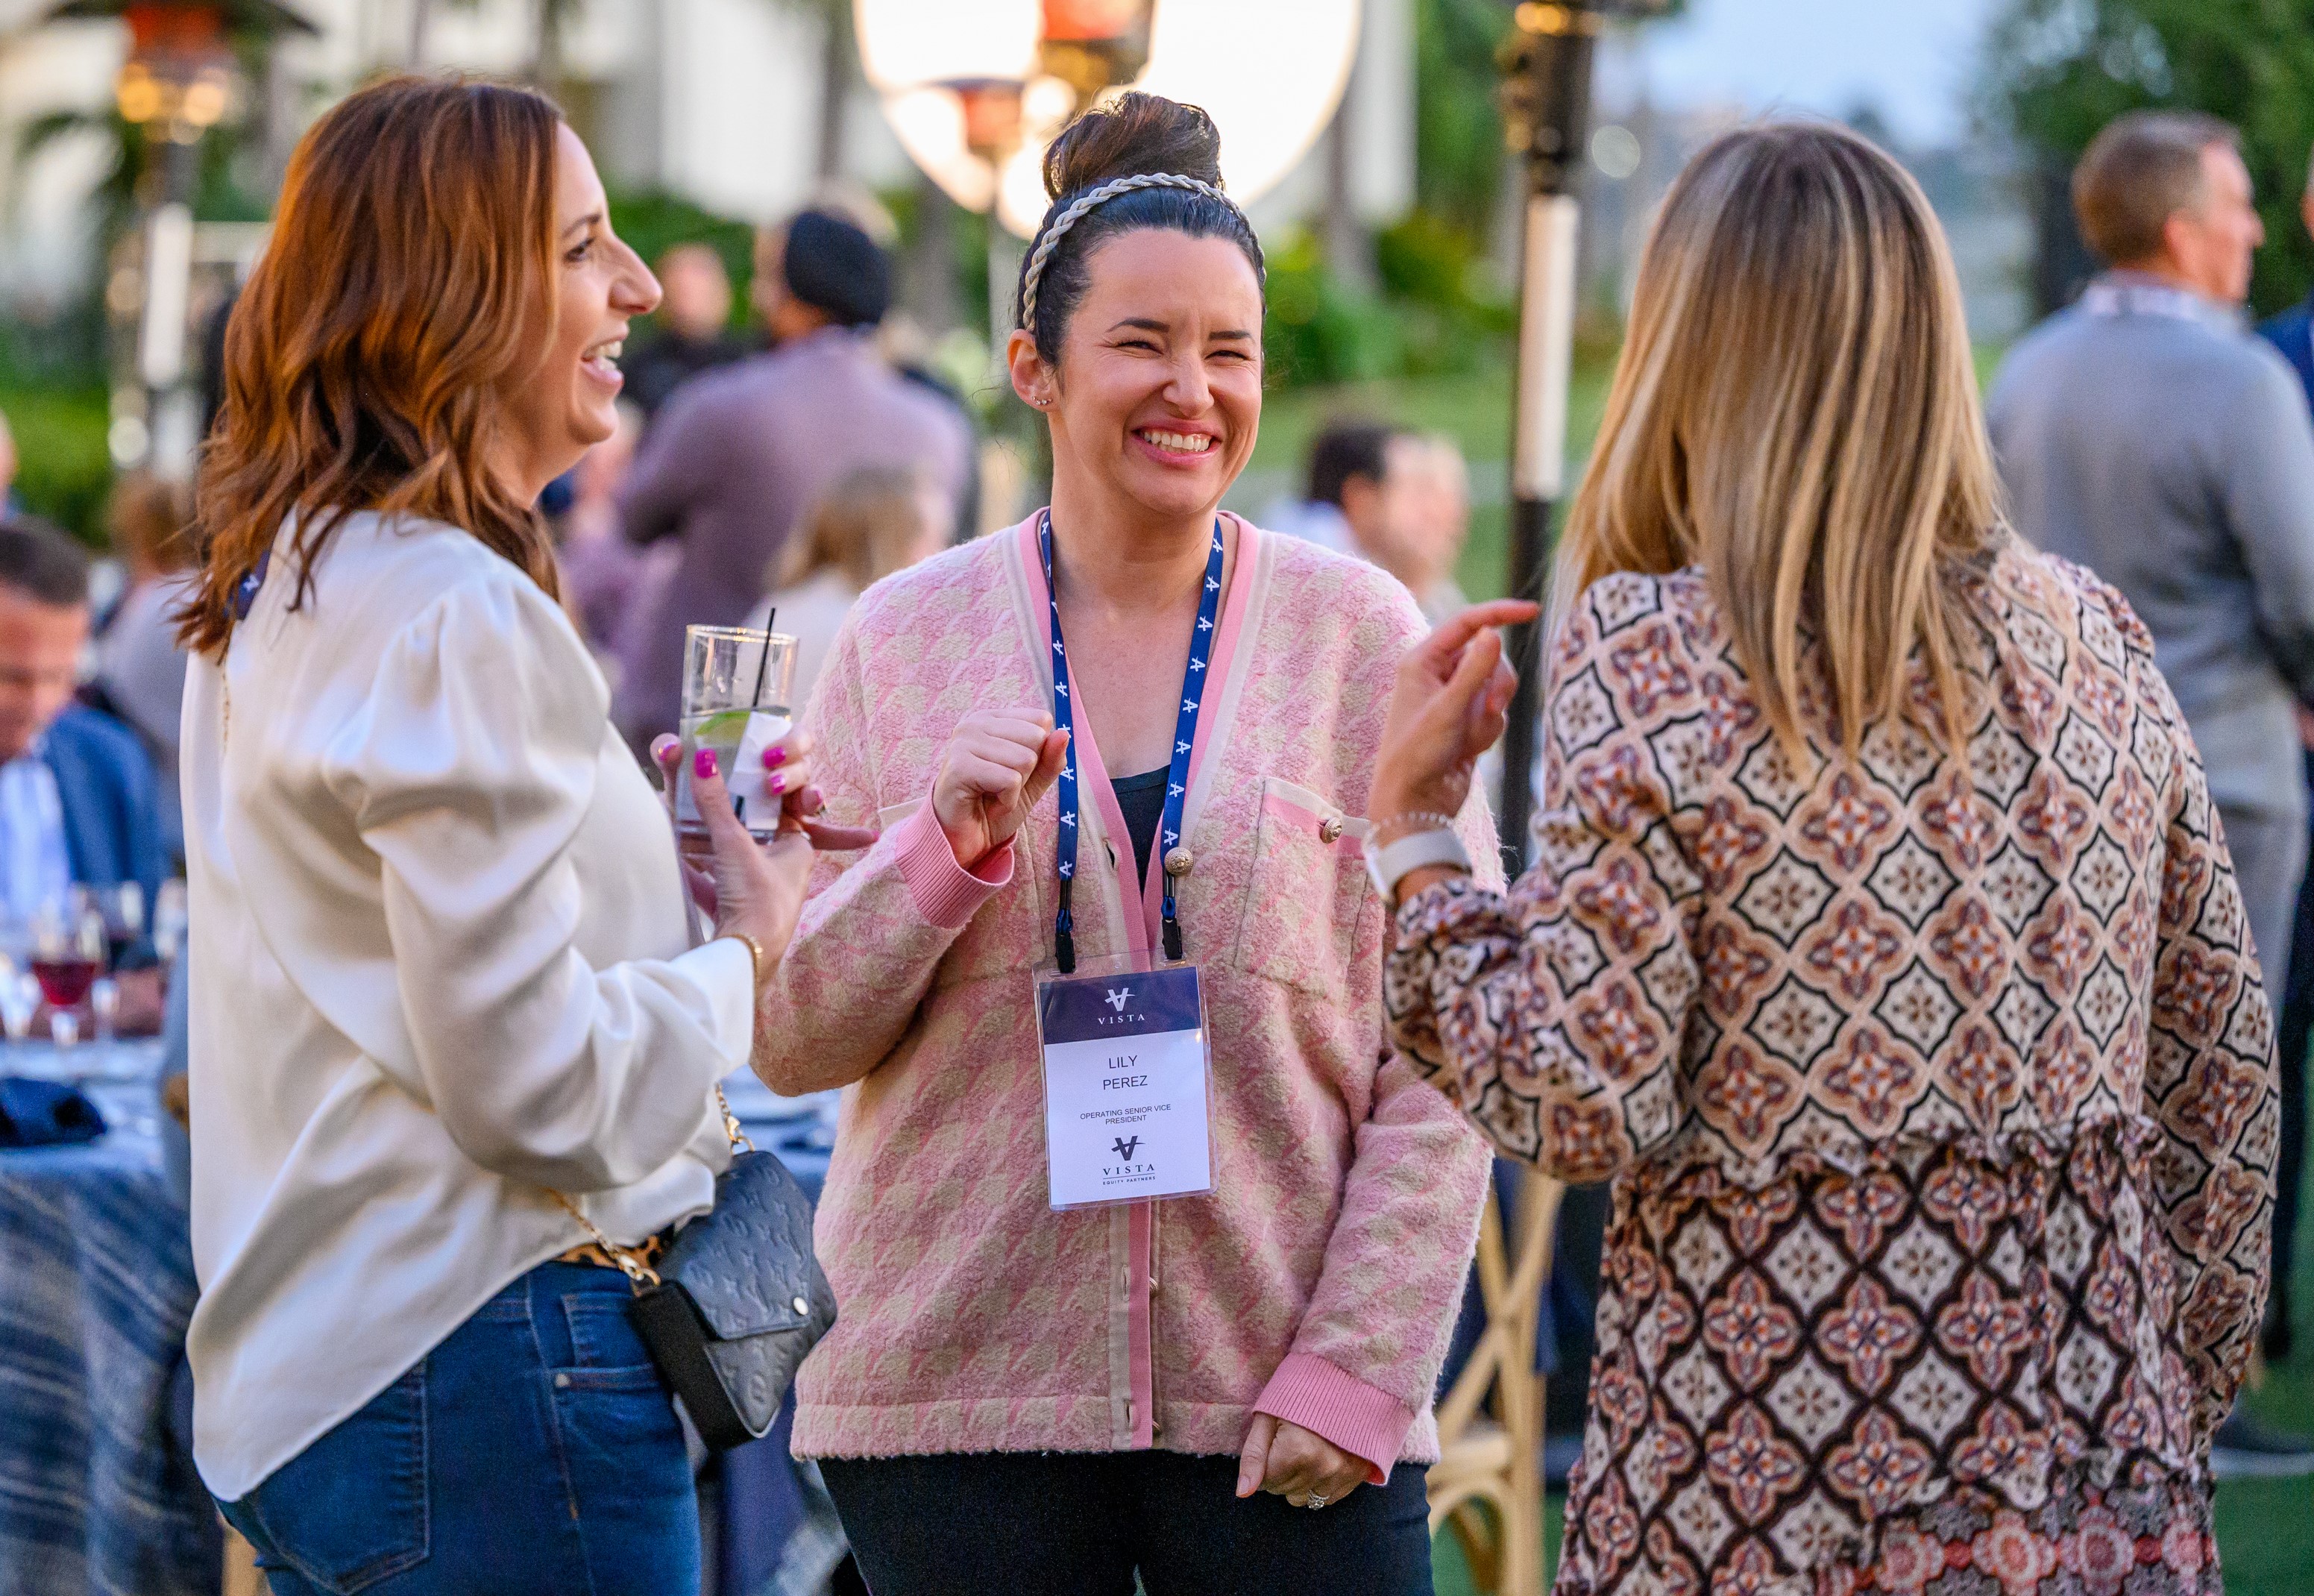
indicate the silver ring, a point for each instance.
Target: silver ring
{"x":1315,"y":1502}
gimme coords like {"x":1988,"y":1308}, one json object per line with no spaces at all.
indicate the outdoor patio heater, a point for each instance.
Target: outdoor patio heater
{"x":1546,"y":65}
{"x":180,"y":79}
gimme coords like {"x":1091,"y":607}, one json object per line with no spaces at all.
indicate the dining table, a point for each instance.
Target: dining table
{"x":98,"y":1493}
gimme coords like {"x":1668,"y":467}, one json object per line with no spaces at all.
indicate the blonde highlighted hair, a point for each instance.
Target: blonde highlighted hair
{"x":867,"y":526}
{"x":1796,"y":412}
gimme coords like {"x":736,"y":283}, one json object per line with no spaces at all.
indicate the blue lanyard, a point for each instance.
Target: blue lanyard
{"x":1185,"y":737}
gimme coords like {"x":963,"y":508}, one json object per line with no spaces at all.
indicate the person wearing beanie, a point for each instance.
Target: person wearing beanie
{"x":738,"y":454}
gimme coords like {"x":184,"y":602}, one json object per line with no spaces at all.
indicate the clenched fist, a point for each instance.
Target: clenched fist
{"x":997,"y":766}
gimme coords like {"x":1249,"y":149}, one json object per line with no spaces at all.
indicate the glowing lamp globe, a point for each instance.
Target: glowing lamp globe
{"x":976,"y":90}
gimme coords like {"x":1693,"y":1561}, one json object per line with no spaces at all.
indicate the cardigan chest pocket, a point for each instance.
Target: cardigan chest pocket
{"x":1309,"y":887}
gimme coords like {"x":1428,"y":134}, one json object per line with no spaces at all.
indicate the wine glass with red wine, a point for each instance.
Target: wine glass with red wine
{"x":68,"y":950}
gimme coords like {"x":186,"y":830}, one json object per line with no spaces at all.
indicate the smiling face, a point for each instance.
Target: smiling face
{"x":569,"y":401}
{"x":1157,"y":397}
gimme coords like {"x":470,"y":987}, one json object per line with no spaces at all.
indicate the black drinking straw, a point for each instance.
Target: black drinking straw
{"x":764,"y":661}
{"x":763,"y":669}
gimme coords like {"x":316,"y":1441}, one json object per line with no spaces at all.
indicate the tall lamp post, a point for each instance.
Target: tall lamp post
{"x":1546,"y":112}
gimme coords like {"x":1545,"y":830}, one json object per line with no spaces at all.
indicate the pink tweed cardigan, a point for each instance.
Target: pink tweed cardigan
{"x":1319,"y":1281}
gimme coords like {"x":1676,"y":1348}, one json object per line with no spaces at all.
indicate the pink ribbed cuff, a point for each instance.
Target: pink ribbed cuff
{"x":1367,"y":1423}
{"x":946,"y":893}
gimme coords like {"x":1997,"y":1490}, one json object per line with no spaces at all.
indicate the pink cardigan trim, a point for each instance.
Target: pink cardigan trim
{"x":946,"y":893}
{"x":1370,"y":1425}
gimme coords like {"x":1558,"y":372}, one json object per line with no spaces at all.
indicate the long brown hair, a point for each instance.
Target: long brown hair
{"x":1795,"y":411}
{"x":411,"y":274}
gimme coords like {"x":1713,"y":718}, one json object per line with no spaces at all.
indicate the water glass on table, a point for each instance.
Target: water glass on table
{"x":737,"y":684}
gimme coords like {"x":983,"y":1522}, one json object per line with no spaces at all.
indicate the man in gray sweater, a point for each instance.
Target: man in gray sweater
{"x":2147,"y":434}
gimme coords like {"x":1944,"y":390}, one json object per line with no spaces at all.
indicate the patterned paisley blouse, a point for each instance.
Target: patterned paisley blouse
{"x":1940,"y":1094}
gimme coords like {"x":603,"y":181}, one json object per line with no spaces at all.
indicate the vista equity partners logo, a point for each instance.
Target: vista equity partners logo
{"x":1117,"y":997}
{"x":1124,"y":1168}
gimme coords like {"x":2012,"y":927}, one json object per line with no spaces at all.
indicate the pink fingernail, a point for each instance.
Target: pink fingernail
{"x":776,"y":784}
{"x":703,"y":763}
{"x":774,"y":756}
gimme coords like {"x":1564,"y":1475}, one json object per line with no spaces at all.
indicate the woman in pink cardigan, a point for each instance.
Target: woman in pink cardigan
{"x":1018,"y":1398}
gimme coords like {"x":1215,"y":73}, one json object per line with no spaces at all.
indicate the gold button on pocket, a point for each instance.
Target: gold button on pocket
{"x":1179,"y":862}
{"x":1304,"y":902}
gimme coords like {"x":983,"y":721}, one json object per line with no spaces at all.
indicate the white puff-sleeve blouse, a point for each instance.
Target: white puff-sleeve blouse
{"x":440,"y":964}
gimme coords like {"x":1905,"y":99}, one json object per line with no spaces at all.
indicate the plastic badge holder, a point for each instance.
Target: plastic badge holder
{"x":1127,"y":1070}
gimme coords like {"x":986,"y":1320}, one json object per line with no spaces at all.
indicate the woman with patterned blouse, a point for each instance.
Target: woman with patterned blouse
{"x":1882,"y":945}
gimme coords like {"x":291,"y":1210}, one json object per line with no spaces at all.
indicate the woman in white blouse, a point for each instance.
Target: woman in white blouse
{"x":444,"y":994}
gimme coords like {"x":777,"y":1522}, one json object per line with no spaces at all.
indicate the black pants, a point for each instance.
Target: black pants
{"x":1081,"y":1523}
{"x":2296,"y":1028}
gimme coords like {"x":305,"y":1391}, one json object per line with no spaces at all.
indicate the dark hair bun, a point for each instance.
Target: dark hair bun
{"x":1132,"y":133}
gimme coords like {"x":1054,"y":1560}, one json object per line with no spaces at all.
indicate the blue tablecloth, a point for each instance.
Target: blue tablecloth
{"x":97,"y":1493}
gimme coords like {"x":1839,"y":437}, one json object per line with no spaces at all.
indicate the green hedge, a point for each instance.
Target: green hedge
{"x":64,"y":469}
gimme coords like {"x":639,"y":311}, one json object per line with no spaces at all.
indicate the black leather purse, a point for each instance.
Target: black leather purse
{"x":738,"y":1300}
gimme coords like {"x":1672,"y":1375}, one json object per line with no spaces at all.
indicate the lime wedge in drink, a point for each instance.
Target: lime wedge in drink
{"x":722,"y":729}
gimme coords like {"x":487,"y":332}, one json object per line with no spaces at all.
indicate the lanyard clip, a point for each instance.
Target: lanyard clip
{"x":1172,"y":938}
{"x":1064,"y":942}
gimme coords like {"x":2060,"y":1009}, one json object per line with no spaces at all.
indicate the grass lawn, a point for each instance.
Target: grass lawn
{"x":2265,"y":1528}
{"x":1473,"y":409}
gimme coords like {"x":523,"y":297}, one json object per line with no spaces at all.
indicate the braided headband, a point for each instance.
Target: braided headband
{"x":1087,"y":202}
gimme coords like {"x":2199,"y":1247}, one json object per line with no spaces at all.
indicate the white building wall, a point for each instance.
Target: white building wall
{"x":46,"y":231}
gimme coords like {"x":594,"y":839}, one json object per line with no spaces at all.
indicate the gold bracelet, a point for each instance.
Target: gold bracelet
{"x":756,"y":958}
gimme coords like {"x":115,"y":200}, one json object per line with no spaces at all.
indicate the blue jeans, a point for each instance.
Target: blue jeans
{"x":534,"y":1450}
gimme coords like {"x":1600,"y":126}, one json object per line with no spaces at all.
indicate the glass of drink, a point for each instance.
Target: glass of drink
{"x":68,"y":955}
{"x":735,"y":685}
{"x":169,"y":920}
{"x":122,"y":909}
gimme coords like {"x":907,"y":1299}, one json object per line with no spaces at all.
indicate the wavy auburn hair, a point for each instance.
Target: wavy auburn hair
{"x":410,"y":278}
{"x":1796,"y":412}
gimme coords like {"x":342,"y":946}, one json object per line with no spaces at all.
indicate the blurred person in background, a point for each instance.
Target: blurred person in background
{"x":2292,"y":334}
{"x":604,"y":575}
{"x":1395,"y":497}
{"x":7,"y":467}
{"x":78,"y":805}
{"x":737,"y":458}
{"x":1882,"y":947}
{"x":1345,"y":458}
{"x":694,"y":332}
{"x":1431,"y":530}
{"x":870,"y":523}
{"x":2147,"y":434}
{"x":140,"y":670}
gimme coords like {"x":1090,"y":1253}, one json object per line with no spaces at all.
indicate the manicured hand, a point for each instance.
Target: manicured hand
{"x":1289,"y":1462}
{"x":1446,"y":709}
{"x":788,"y":770}
{"x":997,"y":766}
{"x":759,"y":887}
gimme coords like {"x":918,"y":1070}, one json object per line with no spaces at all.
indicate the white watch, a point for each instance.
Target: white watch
{"x":1392,"y":863}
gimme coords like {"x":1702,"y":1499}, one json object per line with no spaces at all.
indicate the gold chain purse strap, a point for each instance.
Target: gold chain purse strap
{"x":640,"y":1274}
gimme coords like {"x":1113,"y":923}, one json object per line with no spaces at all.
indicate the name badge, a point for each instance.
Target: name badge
{"x":1127,"y":1085}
